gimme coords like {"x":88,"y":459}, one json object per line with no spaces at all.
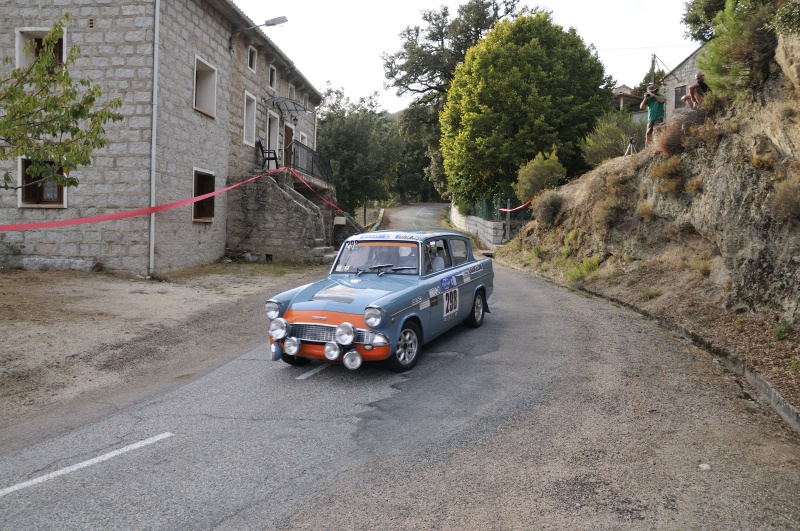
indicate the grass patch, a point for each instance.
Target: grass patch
{"x":650,"y":294}
{"x":781,"y":331}
{"x":583,"y":270}
{"x":794,"y":365}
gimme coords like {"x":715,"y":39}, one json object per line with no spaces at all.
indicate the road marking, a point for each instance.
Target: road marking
{"x":313,"y":371}
{"x":84,"y":464}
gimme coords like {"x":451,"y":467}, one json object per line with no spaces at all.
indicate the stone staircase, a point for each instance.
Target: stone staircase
{"x":324,"y":253}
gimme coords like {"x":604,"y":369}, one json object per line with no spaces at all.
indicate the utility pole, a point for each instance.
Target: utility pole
{"x":653,"y":70}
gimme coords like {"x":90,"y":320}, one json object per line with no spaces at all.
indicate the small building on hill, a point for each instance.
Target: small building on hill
{"x":677,"y":81}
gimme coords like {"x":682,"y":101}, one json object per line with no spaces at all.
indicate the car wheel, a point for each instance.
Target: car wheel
{"x":475,"y":318}
{"x":407,"y":351}
{"x":294,"y":360}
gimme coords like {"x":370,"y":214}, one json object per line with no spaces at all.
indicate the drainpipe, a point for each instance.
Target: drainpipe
{"x":153,"y":131}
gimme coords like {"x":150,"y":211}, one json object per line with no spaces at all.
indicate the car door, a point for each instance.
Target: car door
{"x":442,"y":285}
{"x":459,"y":249}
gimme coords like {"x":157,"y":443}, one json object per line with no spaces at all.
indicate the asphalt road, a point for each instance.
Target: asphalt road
{"x":561,"y":412}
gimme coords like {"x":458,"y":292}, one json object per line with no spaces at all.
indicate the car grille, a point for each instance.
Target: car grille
{"x":317,"y":333}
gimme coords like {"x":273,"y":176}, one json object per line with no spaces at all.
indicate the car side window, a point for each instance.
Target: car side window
{"x":437,"y":256}
{"x":459,"y":248}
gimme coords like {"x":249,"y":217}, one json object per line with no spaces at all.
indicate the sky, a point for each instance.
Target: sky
{"x":341,"y":41}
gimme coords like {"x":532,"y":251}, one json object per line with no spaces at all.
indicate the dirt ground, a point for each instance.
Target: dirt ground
{"x":106,"y":340}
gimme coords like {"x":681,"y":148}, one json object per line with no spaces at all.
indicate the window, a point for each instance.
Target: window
{"x":273,"y":77}
{"x":39,"y":194}
{"x":459,"y":251}
{"x":291,"y":91}
{"x":437,"y":256}
{"x":252,"y":57}
{"x":205,"y":87}
{"x":249,"y":119}
{"x":203,"y":184}
{"x":680,"y":92}
{"x":32,"y":37}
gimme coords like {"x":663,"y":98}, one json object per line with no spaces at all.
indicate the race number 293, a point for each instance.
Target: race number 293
{"x":450,"y":303}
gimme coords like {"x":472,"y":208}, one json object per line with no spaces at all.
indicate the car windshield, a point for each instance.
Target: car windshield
{"x":401,"y":258}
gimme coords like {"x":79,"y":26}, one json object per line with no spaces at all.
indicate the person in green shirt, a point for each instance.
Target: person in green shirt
{"x":654,"y":102}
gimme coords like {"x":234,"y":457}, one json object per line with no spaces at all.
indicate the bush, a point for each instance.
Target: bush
{"x":583,"y":270}
{"x":465,"y":208}
{"x":543,"y":172}
{"x":787,"y":19}
{"x":786,"y":202}
{"x":547,"y":206}
{"x":667,"y":169}
{"x":610,"y":137}
{"x":737,"y":60}
{"x":607,"y":212}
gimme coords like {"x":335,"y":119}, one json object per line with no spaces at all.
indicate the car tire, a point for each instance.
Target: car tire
{"x":475,"y":318}
{"x":294,"y":360}
{"x":407,"y":351}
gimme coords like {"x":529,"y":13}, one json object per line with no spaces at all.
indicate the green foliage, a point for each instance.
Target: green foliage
{"x":610,"y":137}
{"x":47,"y":117}
{"x":737,"y":60}
{"x":357,"y":140}
{"x":425,"y":65}
{"x":583,"y":270}
{"x":794,"y":365}
{"x":543,"y":172}
{"x":698,"y":17}
{"x":529,"y":85}
{"x":781,"y":331}
{"x":650,"y":294}
{"x":787,"y":19}
{"x":547,"y":206}
{"x":641,"y":88}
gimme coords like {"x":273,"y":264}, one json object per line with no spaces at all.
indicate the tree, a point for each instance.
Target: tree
{"x":527,"y":86}
{"x":351,"y":136}
{"x":49,"y":119}
{"x":641,"y":88}
{"x":425,"y":65}
{"x":610,"y":137}
{"x":543,"y":172}
{"x":698,"y":17}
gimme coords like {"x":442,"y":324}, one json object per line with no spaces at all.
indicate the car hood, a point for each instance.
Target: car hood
{"x":350,"y":293}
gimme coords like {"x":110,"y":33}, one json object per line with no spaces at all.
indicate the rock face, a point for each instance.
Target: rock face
{"x":709,"y":196}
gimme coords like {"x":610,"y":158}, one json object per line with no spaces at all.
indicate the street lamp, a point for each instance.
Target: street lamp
{"x":271,"y":22}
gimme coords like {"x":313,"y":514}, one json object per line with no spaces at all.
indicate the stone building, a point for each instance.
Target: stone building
{"x":207,"y":96}
{"x":677,"y":81}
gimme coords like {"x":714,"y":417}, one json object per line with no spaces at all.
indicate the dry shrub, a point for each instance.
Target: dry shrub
{"x":786,"y":203}
{"x":694,"y":186}
{"x":763,"y":162}
{"x":675,"y":132}
{"x":645,"y":210}
{"x":547,"y":206}
{"x":787,"y":112}
{"x":706,"y":133}
{"x":669,"y":185}
{"x":666,"y":169}
{"x":608,"y":212}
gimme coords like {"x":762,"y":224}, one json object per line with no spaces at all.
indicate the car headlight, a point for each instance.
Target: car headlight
{"x":331,"y":351}
{"x":380,"y":340}
{"x":291,"y":346}
{"x":372,"y":316}
{"x":278,"y":328}
{"x":273,"y":310}
{"x":345,"y":334}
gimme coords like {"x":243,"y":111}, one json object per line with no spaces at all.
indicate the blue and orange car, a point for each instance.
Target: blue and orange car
{"x":387,"y":294}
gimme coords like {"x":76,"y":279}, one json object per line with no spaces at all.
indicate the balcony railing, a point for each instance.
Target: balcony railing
{"x":305,"y":159}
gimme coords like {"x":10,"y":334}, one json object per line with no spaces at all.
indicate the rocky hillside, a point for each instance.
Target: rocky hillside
{"x":701,"y":229}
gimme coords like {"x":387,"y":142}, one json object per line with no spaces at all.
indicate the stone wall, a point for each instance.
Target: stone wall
{"x":116,"y":53}
{"x":676,"y":83}
{"x":490,"y":233}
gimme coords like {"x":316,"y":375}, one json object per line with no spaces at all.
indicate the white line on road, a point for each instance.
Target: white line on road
{"x":84,"y":464}
{"x":313,"y":371}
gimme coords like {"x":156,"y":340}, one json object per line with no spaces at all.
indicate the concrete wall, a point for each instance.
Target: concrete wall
{"x":490,"y":233}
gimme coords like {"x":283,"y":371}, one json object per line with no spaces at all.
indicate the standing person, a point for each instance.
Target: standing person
{"x":698,"y":89}
{"x":654,"y":102}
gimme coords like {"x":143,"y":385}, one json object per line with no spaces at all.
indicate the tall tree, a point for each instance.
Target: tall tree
{"x":698,"y":17}
{"x":528,"y":86}
{"x":348,"y":136}
{"x":425,"y":65}
{"x":54,"y":122}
